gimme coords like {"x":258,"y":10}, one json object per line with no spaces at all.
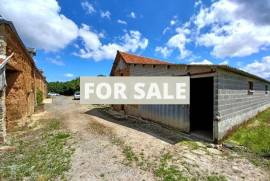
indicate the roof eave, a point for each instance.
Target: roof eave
{"x":10,"y":24}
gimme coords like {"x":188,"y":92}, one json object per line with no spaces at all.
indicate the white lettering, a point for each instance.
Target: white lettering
{"x":108,"y":90}
{"x":153,"y":91}
{"x":139,"y":89}
{"x":180,"y":90}
{"x":119,"y":91}
{"x":166,"y":92}
{"x":88,"y":90}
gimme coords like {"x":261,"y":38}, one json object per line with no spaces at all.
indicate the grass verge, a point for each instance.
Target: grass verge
{"x":255,"y":136}
{"x":41,"y":154}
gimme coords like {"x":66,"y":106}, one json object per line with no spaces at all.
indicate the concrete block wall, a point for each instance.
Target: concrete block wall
{"x":234,"y":104}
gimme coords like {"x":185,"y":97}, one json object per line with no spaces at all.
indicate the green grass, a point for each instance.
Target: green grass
{"x":255,"y":139}
{"x":168,"y":172}
{"x":42,"y":154}
{"x":191,"y":144}
{"x":256,"y":134}
{"x":129,"y":154}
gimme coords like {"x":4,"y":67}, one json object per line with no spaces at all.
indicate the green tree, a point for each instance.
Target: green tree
{"x":65,"y":88}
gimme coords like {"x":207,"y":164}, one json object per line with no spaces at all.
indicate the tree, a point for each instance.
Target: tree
{"x":64,"y":88}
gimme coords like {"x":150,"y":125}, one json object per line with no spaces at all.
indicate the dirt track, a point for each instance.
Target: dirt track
{"x":97,"y":158}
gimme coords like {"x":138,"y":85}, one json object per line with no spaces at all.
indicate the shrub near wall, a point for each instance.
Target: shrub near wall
{"x":39,"y":97}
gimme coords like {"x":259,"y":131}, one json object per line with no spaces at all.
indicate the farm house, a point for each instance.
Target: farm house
{"x":221,"y":97}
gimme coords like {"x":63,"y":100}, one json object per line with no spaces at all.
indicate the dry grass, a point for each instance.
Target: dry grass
{"x":100,"y":129}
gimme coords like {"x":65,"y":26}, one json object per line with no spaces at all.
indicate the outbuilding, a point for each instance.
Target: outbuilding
{"x":20,"y":79}
{"x":221,"y":97}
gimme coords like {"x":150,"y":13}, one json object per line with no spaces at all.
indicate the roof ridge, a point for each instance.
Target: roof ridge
{"x":138,"y":59}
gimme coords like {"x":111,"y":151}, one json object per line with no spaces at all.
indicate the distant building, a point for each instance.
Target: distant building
{"x":19,"y":79}
{"x":221,"y":97}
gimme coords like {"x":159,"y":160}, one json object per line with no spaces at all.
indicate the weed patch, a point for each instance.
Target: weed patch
{"x":40,"y":155}
{"x":129,"y":154}
{"x":167,"y":172}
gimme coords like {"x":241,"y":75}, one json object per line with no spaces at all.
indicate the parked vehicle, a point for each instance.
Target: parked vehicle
{"x":77,"y":95}
{"x":53,"y":94}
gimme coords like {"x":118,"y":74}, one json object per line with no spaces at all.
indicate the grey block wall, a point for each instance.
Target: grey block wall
{"x":234,"y":104}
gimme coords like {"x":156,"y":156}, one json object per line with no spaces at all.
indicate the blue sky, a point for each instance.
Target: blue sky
{"x":78,"y":38}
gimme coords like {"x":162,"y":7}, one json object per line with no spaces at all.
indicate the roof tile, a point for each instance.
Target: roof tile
{"x":135,"y":59}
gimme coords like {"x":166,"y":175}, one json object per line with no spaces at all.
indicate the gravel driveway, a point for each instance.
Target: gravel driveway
{"x":97,"y":157}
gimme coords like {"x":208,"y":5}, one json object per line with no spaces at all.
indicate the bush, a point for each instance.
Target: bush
{"x":39,"y":97}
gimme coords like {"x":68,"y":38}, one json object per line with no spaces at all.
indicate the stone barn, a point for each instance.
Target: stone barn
{"x":221,"y":97}
{"x":20,"y":79}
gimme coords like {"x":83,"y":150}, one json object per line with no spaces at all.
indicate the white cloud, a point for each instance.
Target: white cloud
{"x":69,"y":75}
{"x":56,"y":61}
{"x":40,"y":23}
{"x":225,"y":62}
{"x":177,"y":41}
{"x":121,"y":22}
{"x":105,"y":14}
{"x":172,"y":22}
{"x":198,"y":3}
{"x":165,"y":30}
{"x":230,"y":28}
{"x":233,"y":32}
{"x":90,"y":38}
{"x":203,"y":62}
{"x":89,"y":9}
{"x":259,"y":67}
{"x":164,"y":51}
{"x":94,"y":49}
{"x":132,"y":15}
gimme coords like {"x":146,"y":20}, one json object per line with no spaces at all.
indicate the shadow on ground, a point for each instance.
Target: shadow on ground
{"x":165,"y":134}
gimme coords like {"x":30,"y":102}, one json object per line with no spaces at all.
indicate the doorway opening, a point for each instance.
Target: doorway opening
{"x":202,"y":107}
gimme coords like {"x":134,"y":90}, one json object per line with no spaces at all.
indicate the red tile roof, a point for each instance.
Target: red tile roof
{"x":135,"y":59}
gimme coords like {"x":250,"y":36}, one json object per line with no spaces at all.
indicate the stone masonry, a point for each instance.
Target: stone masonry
{"x":2,"y":95}
{"x":22,"y":78}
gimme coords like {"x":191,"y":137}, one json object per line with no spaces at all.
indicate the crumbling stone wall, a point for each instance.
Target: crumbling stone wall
{"x":21,"y":84}
{"x":2,"y":95}
{"x":20,"y":97}
{"x":2,"y":117}
{"x":40,"y":83}
{"x":2,"y":47}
